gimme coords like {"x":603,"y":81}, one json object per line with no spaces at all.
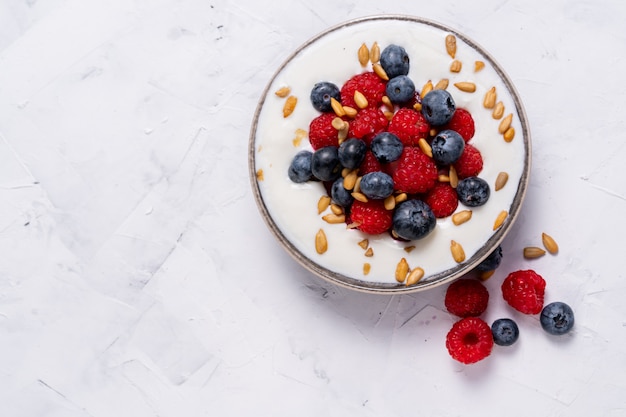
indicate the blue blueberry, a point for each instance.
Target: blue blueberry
{"x":352,"y":153}
{"x":505,"y":332}
{"x":300,"y":168}
{"x":386,"y":147}
{"x":395,"y":61}
{"x":400,"y":89}
{"x":325,"y":164}
{"x":376,"y":185}
{"x":557,"y":318}
{"x":447,"y":147}
{"x":321,"y":94}
{"x":492,"y":261}
{"x":340,"y":195}
{"x":438,"y":107}
{"x":473,"y":191}
{"x":413,"y":219}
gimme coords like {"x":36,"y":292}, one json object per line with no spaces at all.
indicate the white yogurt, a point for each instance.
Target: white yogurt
{"x":333,"y":57}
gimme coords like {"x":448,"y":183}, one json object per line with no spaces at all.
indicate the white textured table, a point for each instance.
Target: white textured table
{"x":137,"y":278}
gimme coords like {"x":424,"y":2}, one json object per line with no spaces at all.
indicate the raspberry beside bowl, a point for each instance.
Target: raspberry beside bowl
{"x":290,"y":210}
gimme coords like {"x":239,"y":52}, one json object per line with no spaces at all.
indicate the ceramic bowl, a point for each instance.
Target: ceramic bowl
{"x":290,"y":210}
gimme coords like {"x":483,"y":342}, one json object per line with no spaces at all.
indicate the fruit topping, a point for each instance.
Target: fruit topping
{"x":557,"y":318}
{"x":386,"y":147}
{"x":371,"y":217}
{"x":469,"y":340}
{"x":473,"y":191}
{"x":466,"y":298}
{"x":447,"y":147}
{"x":400,"y":89}
{"x":395,"y":61}
{"x":321,"y":94}
{"x":505,"y":332}
{"x":300,"y":167}
{"x":438,"y":107}
{"x":325,"y":163}
{"x":377,"y":185}
{"x":524,"y":291}
{"x":413,"y":220}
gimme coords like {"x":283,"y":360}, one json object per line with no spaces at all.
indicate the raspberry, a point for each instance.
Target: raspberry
{"x":367,"y":124}
{"x":321,"y":131}
{"x":442,"y":199}
{"x":466,"y":298}
{"x":367,"y":83}
{"x":470,"y":163}
{"x":373,"y":218}
{"x":462,"y":122}
{"x":369,"y":164}
{"x":409,"y":126}
{"x":415,"y":172}
{"x":524,"y":291}
{"x":469,"y":340}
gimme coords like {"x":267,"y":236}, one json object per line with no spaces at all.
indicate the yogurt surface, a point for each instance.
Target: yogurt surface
{"x":292,"y":208}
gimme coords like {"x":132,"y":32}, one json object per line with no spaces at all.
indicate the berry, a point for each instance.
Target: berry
{"x":300,"y":168}
{"x":395,"y":61}
{"x":462,"y":122}
{"x":413,"y":219}
{"x":369,"y":164}
{"x":367,"y":124}
{"x":469,"y":340}
{"x":505,"y":332}
{"x":557,"y":318}
{"x":367,"y":83}
{"x":321,"y":94}
{"x":400,"y":89}
{"x":466,"y":298}
{"x":442,"y":200}
{"x":386,"y":147}
{"x":447,"y":147}
{"x":352,"y":153}
{"x":470,"y":164}
{"x":321,"y":131}
{"x":340,"y":195}
{"x":409,"y":126}
{"x":372,"y":217}
{"x":473,"y":191}
{"x":492,"y":261}
{"x":325,"y":163}
{"x":438,"y":107}
{"x":415,"y":172}
{"x":376,"y":185}
{"x":524,"y":291}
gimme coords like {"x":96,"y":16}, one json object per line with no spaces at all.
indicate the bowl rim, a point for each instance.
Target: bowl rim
{"x":442,"y":277}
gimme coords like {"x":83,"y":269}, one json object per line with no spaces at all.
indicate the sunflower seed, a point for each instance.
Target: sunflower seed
{"x":378,"y":69}
{"x":501,"y":180}
{"x":490,"y":98}
{"x":290,"y":105}
{"x":509,"y":134}
{"x":414,"y":276}
{"x":456,"y":66}
{"x":364,"y":243}
{"x":321,"y":244}
{"x":428,"y":87}
{"x":364,"y":55}
{"x":283,"y":92}
{"x":259,"y":175}
{"x":461,"y":217}
{"x":360,"y":100}
{"x":360,"y":197}
{"x":425,"y":147}
{"x":454,"y":178}
{"x":500,"y":219}
{"x":451,"y":45}
{"x":498,"y":110}
{"x":322,"y":204}
{"x":457,"y":251}
{"x":467,"y":86}
{"x":505,"y":123}
{"x":478,"y":65}
{"x":366,"y":268}
{"x":369,"y":252}
{"x":375,"y":53}
{"x":441,"y":84}
{"x":333,"y":218}
{"x":402,"y":269}
{"x":390,"y":202}
{"x":549,"y":243}
{"x":337,"y":107}
{"x":532,"y":252}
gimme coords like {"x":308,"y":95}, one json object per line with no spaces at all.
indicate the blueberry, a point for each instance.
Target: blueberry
{"x":492,"y":261}
{"x":340,"y":195}
{"x":352,"y":153}
{"x":395,"y":61}
{"x":321,"y":94}
{"x":438,"y":107}
{"x":473,"y":191}
{"x":400,"y":89}
{"x":300,"y":167}
{"x":557,"y":318}
{"x":376,"y":185}
{"x":505,"y":332}
{"x":413,"y":219}
{"x":325,"y":164}
{"x":386,"y":147}
{"x":447,"y":147}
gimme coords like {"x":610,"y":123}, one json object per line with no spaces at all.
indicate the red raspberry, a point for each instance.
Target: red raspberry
{"x":524,"y":291}
{"x":367,"y":124}
{"x":369,"y":84}
{"x":466,"y":298}
{"x":369,"y":164}
{"x":442,"y":199}
{"x":321,"y":131}
{"x":415,"y":172}
{"x":470,"y":164}
{"x":469,"y":340}
{"x":373,"y":217}
{"x":462,"y":122}
{"x":409,"y":126}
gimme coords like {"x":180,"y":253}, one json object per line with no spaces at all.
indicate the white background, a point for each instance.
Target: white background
{"x":138,"y":279}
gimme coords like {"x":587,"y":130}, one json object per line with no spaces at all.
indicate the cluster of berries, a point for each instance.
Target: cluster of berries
{"x":471,"y":339}
{"x":385,"y":143}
